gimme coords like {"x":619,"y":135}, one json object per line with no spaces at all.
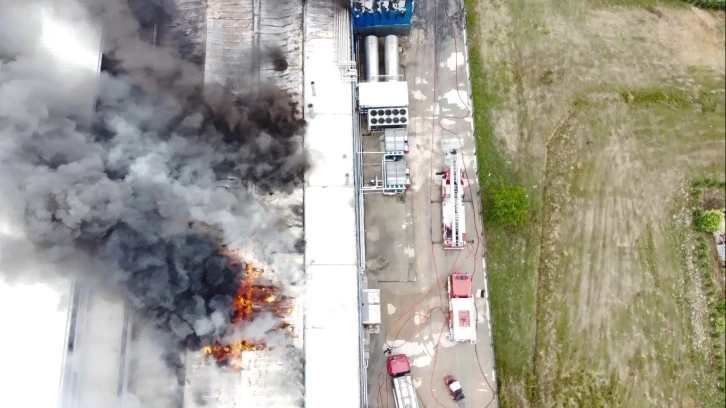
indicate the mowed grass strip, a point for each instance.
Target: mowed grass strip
{"x":510,"y":255}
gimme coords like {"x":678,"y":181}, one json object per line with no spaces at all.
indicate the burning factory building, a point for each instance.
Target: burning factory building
{"x":253,"y":298}
{"x":178,"y":138}
{"x":256,"y":361}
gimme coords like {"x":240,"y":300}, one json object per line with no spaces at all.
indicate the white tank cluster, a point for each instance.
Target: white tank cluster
{"x":391,"y":59}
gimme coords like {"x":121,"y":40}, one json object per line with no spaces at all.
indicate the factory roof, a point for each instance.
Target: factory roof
{"x":39,"y":312}
{"x":264,"y":382}
{"x":332,"y":336}
{"x":69,"y":47}
{"x":332,"y":322}
{"x":266,"y":378}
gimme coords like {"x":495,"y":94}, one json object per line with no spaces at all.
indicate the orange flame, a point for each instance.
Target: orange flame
{"x":231,"y":355}
{"x":252,"y":298}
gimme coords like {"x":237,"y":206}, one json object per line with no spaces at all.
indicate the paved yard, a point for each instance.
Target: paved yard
{"x":410,"y":270}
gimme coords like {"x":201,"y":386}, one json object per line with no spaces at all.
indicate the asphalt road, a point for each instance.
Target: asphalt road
{"x":403,"y":258}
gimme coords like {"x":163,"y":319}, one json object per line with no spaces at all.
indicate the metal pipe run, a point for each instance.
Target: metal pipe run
{"x":391,"y":55}
{"x":371,"y":55}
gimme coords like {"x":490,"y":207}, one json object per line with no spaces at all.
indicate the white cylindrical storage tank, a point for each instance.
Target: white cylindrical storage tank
{"x":391,"y":57}
{"x":371,"y":58}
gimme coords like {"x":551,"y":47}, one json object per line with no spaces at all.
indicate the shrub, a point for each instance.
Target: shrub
{"x":508,"y":205}
{"x":709,"y":4}
{"x":721,"y":307}
{"x":709,"y":221}
{"x":719,"y":324}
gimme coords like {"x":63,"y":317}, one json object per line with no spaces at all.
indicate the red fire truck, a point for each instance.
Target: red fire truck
{"x":404,"y":391}
{"x":462,"y":310}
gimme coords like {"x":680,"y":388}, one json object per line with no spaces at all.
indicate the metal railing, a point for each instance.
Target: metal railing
{"x":343,"y":45}
{"x":350,"y":56}
{"x":390,"y":78}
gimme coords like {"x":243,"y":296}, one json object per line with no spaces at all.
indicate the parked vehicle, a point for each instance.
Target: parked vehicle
{"x":462,"y":310}
{"x":404,"y":392}
{"x":454,"y":388}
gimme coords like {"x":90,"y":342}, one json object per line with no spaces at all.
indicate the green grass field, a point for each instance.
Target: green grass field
{"x":604,"y":119}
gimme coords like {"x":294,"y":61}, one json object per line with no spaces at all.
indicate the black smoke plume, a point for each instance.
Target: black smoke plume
{"x":277,"y":57}
{"x":143,"y":188}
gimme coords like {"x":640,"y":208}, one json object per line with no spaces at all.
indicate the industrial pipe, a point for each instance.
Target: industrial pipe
{"x":371,"y":58}
{"x":391,"y":53}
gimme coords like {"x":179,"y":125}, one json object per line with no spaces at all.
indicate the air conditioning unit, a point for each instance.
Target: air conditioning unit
{"x":381,"y":118}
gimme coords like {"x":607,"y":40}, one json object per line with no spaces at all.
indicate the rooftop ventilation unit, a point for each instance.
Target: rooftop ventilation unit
{"x":372,"y":309}
{"x":396,"y":177}
{"x":395,"y":142}
{"x":382,"y":118}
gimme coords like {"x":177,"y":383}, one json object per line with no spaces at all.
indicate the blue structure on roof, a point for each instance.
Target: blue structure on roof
{"x":381,"y":18}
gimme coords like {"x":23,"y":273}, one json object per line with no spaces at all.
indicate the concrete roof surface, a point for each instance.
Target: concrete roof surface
{"x":332,"y":320}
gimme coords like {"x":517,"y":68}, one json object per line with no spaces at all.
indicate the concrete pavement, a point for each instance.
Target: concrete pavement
{"x":402,"y":232}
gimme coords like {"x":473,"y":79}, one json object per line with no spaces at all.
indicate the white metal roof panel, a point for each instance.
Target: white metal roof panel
{"x":208,"y":386}
{"x":69,"y":50}
{"x":330,"y":237}
{"x":269,"y":381}
{"x":383,"y":94}
{"x":32,"y":379}
{"x":266,"y":381}
{"x":329,"y":94}
{"x":71,"y":46}
{"x":329,"y":142}
{"x":332,"y":321}
{"x":100,"y":346}
{"x":332,"y":337}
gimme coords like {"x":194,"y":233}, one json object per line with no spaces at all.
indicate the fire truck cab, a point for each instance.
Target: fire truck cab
{"x":462,"y":309}
{"x":404,"y":391}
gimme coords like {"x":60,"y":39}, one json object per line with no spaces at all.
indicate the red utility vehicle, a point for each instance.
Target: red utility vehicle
{"x":462,"y":310}
{"x":454,"y":389}
{"x":404,"y":391}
